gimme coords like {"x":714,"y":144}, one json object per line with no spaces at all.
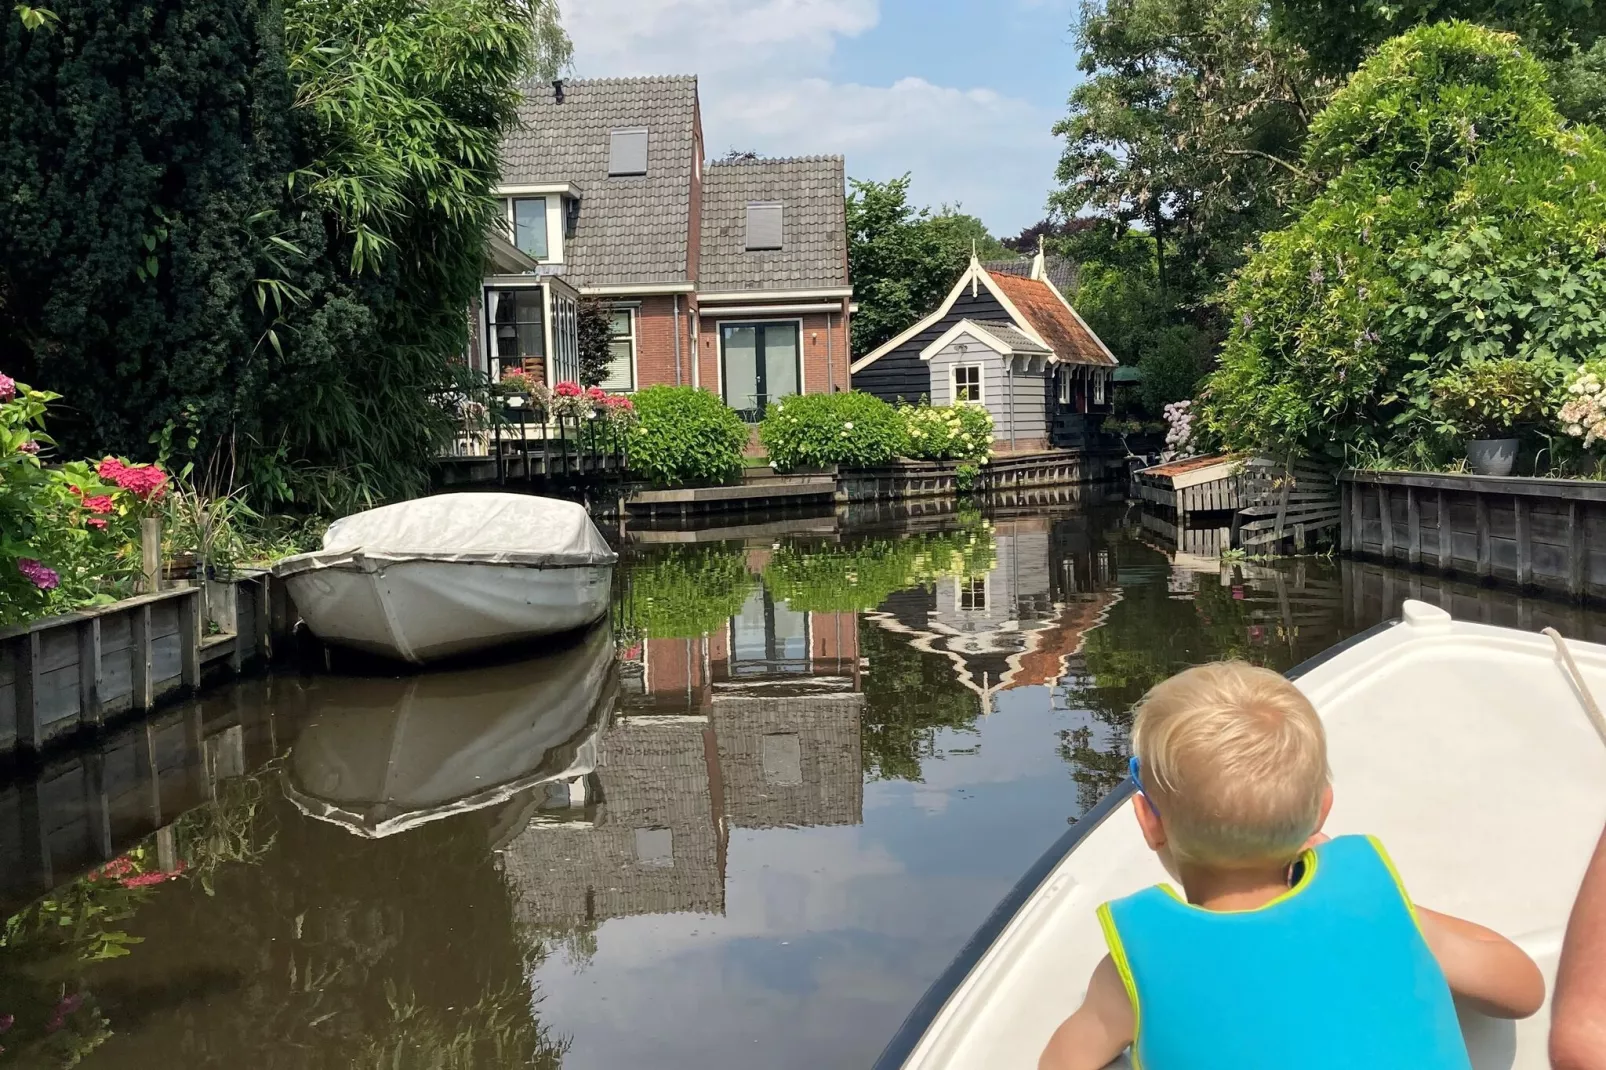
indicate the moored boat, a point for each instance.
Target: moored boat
{"x":385,"y":755}
{"x":1468,"y":750}
{"x":453,"y":574}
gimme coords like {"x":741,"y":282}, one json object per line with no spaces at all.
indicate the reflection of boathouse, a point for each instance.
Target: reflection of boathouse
{"x":753,"y":726}
{"x":1018,"y":624}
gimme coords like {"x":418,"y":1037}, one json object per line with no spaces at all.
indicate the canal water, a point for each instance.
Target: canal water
{"x":745,"y":824}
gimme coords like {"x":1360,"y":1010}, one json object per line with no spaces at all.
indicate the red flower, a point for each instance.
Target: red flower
{"x":567,"y":389}
{"x":596,"y":393}
{"x":100,"y":503}
{"x":96,"y":521}
{"x":145,"y":481}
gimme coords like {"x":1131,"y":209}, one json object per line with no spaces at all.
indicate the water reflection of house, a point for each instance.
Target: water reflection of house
{"x":755,"y":725}
{"x":1017,"y":624}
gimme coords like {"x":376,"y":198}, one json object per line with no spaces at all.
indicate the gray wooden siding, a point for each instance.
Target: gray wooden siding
{"x":1027,"y":394}
{"x":901,"y":373}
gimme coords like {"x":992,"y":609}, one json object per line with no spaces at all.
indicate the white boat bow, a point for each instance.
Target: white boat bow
{"x":1465,"y":748}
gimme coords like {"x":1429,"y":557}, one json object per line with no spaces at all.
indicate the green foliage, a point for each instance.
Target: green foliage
{"x":258,"y":225}
{"x":685,"y":436}
{"x":903,"y":261}
{"x":1495,"y":398}
{"x":1462,"y":222}
{"x":688,"y":591}
{"x":596,"y":339}
{"x":858,"y":577}
{"x":67,"y":537}
{"x":946,"y":432}
{"x":812,"y":430}
{"x":1339,"y":33}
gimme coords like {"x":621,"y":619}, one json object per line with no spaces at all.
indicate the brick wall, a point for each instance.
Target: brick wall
{"x":655,"y":342}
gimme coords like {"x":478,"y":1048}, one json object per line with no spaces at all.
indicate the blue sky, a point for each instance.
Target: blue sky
{"x":962,"y":93}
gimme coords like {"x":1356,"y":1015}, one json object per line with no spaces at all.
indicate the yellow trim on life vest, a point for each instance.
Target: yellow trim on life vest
{"x":1112,"y":939}
{"x":1308,"y":858}
{"x":1388,"y":863}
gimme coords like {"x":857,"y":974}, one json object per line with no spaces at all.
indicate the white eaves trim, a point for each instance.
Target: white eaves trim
{"x":975,"y":276}
{"x":965,"y":327}
{"x":566,"y":189}
{"x":721,"y":297}
{"x":645,"y":289}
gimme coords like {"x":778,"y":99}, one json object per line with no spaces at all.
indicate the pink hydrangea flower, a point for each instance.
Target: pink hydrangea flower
{"x":100,"y":503}
{"x":30,"y":447}
{"x":42,"y":577}
{"x":145,"y":481}
{"x":8,"y":387}
{"x":567,"y":389}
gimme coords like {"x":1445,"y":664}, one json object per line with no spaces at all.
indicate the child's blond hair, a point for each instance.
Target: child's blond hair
{"x":1235,"y":760}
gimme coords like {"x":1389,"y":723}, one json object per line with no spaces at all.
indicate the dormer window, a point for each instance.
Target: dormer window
{"x":530,"y":226}
{"x":627,"y":153}
{"x":765,"y":227}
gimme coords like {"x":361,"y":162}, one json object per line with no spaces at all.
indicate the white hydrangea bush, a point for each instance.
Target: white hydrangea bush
{"x":1583,"y":415}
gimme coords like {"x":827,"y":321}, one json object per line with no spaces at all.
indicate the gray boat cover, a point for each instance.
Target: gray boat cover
{"x":486,"y":529}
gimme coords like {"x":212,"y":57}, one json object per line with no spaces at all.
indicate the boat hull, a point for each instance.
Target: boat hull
{"x":1464,"y":748}
{"x":420,"y":610}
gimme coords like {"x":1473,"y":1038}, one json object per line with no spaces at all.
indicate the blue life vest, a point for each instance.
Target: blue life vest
{"x":1333,"y":974}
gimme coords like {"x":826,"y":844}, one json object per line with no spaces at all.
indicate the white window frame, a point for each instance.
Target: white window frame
{"x":634,"y":312}
{"x":1098,"y":388}
{"x":967,"y":589}
{"x":555,"y":224}
{"x":1066,"y":394}
{"x":953,"y":384}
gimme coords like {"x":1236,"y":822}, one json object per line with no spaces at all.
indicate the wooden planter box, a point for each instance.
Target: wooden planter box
{"x":65,"y":674}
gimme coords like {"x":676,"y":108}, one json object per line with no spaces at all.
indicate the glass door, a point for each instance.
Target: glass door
{"x":761,"y":365}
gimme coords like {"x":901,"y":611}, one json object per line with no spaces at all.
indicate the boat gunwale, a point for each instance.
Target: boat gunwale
{"x":930,"y":1006}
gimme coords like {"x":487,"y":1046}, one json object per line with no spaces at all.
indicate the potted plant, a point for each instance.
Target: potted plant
{"x":1488,"y":403}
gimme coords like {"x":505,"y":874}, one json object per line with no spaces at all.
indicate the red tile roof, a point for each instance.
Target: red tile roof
{"x":1065,"y":334}
{"x":1044,"y":663}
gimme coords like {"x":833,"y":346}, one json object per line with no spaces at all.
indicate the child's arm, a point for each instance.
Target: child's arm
{"x":1101,"y":1028}
{"x":1490,"y":973}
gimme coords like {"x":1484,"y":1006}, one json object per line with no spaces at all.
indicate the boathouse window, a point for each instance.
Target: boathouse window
{"x":765,"y":227}
{"x":627,"y":153}
{"x":973,"y":594}
{"x":1098,"y":388}
{"x":967,"y":383}
{"x":621,"y":350}
{"x":1065,"y":386}
{"x":529,"y":226}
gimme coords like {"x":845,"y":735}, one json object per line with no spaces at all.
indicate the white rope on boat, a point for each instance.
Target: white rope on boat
{"x":1591,"y":707}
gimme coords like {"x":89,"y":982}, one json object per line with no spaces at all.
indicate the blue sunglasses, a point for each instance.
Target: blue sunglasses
{"x":1132,"y":768}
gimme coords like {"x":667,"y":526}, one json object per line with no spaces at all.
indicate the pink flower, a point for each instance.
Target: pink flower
{"x":5,"y":1022}
{"x":109,"y":468}
{"x":100,"y":503}
{"x":96,"y":521}
{"x":567,"y":389}
{"x":145,"y":880}
{"x":44,"y":578}
{"x":30,"y":447}
{"x":596,"y":393}
{"x":145,"y":481}
{"x":8,"y":387}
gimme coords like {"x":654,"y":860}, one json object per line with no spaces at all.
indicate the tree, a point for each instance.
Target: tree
{"x":1455,"y":218}
{"x":595,"y":326}
{"x":903,"y":260}
{"x":1338,"y":34}
{"x":253,"y":230}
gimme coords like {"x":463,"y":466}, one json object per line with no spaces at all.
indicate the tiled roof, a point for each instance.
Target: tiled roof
{"x":1043,"y":664}
{"x":814,"y":254}
{"x":1050,"y":317}
{"x":631,"y":231}
{"x":1010,"y":335}
{"x":1058,"y":270}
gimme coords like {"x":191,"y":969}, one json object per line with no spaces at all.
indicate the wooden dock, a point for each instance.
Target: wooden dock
{"x":1546,"y":535}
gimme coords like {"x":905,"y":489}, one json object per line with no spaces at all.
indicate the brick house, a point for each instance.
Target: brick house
{"x":730,"y":275}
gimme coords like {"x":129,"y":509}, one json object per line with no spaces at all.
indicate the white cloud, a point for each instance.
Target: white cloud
{"x":764,"y":67}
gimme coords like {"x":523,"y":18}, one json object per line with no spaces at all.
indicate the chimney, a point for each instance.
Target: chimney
{"x":1039,"y":268}
{"x":557,"y":90}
